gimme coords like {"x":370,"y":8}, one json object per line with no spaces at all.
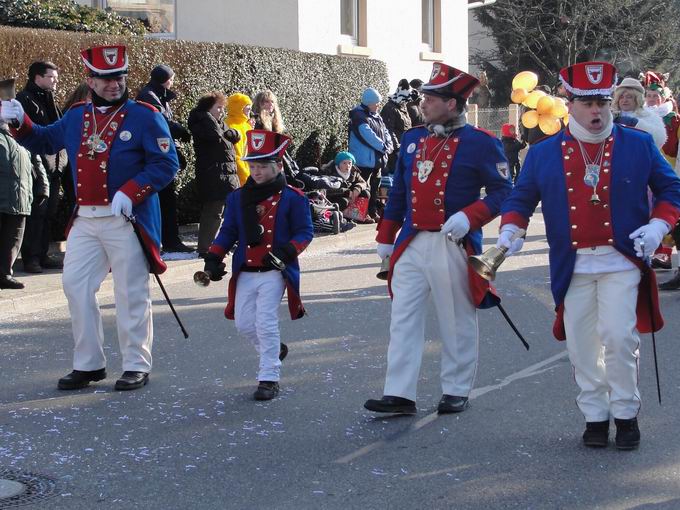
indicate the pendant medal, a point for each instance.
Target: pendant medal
{"x":592,"y":178}
{"x":424,"y":170}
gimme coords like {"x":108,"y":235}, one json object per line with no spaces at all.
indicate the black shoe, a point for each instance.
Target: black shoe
{"x":32,"y":266}
{"x":672,"y":284}
{"x":452,"y":404}
{"x":50,"y":262}
{"x":266,"y":390}
{"x":627,"y":434}
{"x":9,"y":282}
{"x":596,"y":434}
{"x":661,"y":261}
{"x":178,"y":248}
{"x":79,"y":379}
{"x":389,"y":404}
{"x":131,"y":380}
{"x":283,"y":351}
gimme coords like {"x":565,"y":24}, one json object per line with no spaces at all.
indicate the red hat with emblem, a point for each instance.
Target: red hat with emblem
{"x":448,"y":82}
{"x":105,"y":61}
{"x":265,"y":145}
{"x":589,"y":80}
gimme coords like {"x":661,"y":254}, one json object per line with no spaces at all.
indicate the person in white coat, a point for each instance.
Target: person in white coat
{"x":629,"y":101}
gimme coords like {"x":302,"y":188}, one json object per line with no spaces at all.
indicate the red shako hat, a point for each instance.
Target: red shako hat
{"x":449,"y":82}
{"x":105,"y":61}
{"x":265,"y":145}
{"x":589,"y":80}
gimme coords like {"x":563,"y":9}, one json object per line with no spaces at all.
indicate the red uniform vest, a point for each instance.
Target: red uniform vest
{"x":428,"y":186}
{"x":267,"y":212}
{"x":92,"y":165}
{"x":590,"y":223}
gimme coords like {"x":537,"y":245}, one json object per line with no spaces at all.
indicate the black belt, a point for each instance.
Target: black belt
{"x":256,"y":269}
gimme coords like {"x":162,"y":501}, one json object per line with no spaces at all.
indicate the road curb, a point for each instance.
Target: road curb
{"x":45,"y":292}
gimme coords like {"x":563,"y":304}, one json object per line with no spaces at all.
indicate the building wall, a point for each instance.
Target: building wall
{"x":393,"y":29}
{"x":270,"y":23}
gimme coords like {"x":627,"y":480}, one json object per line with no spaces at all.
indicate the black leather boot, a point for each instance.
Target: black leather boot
{"x":131,"y":380}
{"x":672,"y":284}
{"x":627,"y":434}
{"x":452,"y":404}
{"x":596,"y":434}
{"x":266,"y":390}
{"x":80,"y":379}
{"x":390,"y":404}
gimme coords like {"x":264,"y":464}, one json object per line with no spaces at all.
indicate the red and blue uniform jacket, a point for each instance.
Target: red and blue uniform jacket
{"x":286,"y":218}
{"x":140,"y":161}
{"x":553,"y":174}
{"x":470,"y":160}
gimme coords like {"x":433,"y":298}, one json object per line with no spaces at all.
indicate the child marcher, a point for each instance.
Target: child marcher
{"x":511,"y":146}
{"x":272,"y":224}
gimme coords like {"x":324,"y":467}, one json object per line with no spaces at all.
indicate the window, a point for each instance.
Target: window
{"x":157,"y":15}
{"x":349,"y":19}
{"x":428,"y":23}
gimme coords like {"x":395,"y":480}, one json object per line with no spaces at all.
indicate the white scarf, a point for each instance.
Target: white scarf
{"x":581,"y":133}
{"x":345,"y":176}
{"x":662,"y":110}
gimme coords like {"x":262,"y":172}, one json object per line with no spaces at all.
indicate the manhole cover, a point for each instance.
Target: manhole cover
{"x":19,"y":488}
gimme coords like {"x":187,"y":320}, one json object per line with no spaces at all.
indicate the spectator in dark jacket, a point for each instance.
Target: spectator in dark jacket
{"x":511,"y":147}
{"x":353,"y":186}
{"x":413,"y":106}
{"x":158,"y":94}
{"x":37,"y":99}
{"x":370,"y":142}
{"x":17,"y":189}
{"x":216,"y":174}
{"x":397,"y":120}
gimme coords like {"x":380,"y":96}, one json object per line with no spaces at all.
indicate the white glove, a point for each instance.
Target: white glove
{"x":648,"y":237}
{"x":121,"y":204}
{"x":12,"y":111}
{"x":507,"y":231}
{"x":385,"y":250}
{"x":458,"y":225}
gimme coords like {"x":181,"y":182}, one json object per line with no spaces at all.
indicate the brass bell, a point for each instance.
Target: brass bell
{"x":202,"y":278}
{"x":486,"y":264}
{"x":384,"y":269}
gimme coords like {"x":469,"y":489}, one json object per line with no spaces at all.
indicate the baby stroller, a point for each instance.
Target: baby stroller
{"x":326,"y":216}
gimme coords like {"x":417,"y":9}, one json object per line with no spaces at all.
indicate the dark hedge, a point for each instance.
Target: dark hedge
{"x":66,"y":15}
{"x":315,"y":91}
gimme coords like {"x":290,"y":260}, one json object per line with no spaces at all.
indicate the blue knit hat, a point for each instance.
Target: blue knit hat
{"x":343,"y":156}
{"x":370,"y":96}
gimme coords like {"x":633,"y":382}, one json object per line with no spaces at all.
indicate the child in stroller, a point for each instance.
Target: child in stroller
{"x":326,"y":216}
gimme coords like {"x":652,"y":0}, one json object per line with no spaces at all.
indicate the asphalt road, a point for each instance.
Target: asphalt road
{"x":193,"y":438}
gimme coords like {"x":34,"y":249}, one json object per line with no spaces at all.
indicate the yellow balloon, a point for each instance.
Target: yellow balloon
{"x":560,"y":109}
{"x":549,"y":124}
{"x":565,"y":119}
{"x":530,"y":119}
{"x":525,"y":80}
{"x":532,"y":99}
{"x":545,"y":104}
{"x":518,"y":95}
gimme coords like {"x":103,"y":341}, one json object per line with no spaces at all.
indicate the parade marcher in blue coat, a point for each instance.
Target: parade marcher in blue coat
{"x":272,"y":224}
{"x":435,"y":200}
{"x":592,"y":182}
{"x":122,"y":154}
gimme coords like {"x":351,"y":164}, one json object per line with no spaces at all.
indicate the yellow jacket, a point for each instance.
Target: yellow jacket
{"x":238,"y":120}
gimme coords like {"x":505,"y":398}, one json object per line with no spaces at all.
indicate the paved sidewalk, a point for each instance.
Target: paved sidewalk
{"x":44,"y":291}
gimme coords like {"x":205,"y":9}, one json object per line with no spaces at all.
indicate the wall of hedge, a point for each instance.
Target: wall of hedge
{"x":315,"y":91}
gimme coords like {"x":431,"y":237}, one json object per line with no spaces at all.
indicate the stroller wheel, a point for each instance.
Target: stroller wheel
{"x":336,"y":222}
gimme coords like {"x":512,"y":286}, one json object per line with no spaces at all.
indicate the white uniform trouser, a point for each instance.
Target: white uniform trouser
{"x":603,"y":344}
{"x":431,"y":265}
{"x":93,"y":246}
{"x":256,"y":315}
